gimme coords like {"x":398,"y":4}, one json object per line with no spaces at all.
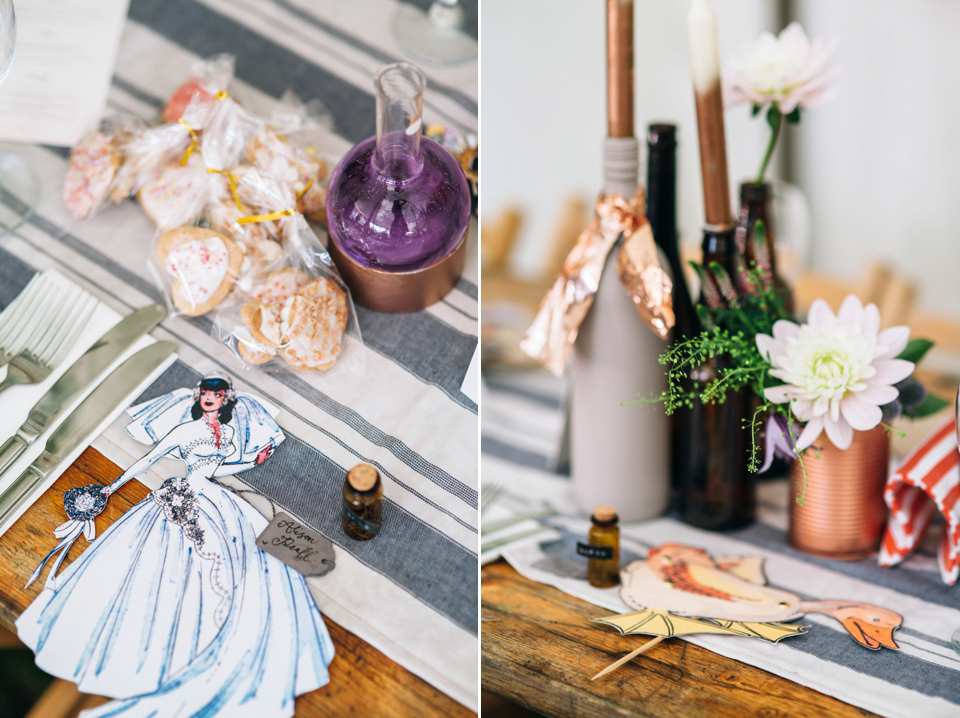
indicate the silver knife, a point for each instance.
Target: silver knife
{"x":91,"y":411}
{"x":78,"y":377}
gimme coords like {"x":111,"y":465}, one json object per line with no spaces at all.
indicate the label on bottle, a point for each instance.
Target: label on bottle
{"x":302,"y":549}
{"x":361,"y":523}
{"x":594,"y":551}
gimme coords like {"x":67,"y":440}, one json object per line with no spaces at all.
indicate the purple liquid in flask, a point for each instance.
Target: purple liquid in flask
{"x":398,"y":201}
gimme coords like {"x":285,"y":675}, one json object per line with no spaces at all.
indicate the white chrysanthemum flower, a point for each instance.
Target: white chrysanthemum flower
{"x":838,"y":370}
{"x":788,"y":71}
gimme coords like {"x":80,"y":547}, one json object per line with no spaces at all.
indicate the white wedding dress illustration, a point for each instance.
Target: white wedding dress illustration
{"x":174,"y":611}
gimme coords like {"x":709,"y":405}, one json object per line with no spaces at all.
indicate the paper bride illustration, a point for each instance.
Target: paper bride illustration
{"x":174,"y":611}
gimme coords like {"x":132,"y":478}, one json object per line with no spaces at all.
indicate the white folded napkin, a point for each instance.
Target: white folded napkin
{"x":16,"y":403}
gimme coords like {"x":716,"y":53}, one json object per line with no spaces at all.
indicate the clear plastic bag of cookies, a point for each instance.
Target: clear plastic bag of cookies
{"x":156,"y":150}
{"x":178,"y":194}
{"x":207,"y":79}
{"x":196,"y":268}
{"x":183,"y":190}
{"x":151,"y":151}
{"x":269,"y":199}
{"x":227,"y":132}
{"x":285,"y":149}
{"x":94,"y":163}
{"x":240,"y":199}
{"x":202,"y":253}
{"x":220,"y":230}
{"x":297,"y":315}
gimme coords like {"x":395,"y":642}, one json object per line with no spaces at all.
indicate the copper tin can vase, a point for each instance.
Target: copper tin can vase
{"x":843,"y":513}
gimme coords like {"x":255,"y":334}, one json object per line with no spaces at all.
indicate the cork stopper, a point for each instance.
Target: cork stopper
{"x":362,"y":477}
{"x":604,"y":513}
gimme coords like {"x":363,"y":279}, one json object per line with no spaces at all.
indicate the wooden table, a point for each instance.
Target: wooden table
{"x":540,"y":650}
{"x":362,"y":680}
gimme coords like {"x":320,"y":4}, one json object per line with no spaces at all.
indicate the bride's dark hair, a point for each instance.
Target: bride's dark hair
{"x":215,"y":383}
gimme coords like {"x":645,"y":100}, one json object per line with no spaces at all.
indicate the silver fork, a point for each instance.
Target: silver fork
{"x":22,"y":318}
{"x":64,"y":320}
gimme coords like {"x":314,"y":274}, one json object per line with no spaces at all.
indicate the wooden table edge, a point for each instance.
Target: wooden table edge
{"x":539,"y":650}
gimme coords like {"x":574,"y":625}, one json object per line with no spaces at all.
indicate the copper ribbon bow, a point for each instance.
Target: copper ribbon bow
{"x":553,"y":332}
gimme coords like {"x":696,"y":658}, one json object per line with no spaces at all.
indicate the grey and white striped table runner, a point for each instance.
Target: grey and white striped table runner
{"x":412,"y":592}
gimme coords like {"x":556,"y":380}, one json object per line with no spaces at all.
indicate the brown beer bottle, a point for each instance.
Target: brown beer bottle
{"x":755,"y":200}
{"x":717,"y":490}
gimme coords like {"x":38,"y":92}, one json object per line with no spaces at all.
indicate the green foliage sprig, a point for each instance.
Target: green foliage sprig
{"x":723,"y":357}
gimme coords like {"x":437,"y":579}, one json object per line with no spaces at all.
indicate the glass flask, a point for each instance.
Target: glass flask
{"x":398,"y":205}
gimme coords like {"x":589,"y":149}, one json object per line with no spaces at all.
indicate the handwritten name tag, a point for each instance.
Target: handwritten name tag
{"x":302,"y":549}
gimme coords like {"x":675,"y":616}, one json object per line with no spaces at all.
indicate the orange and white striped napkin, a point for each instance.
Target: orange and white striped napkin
{"x":926,"y":482}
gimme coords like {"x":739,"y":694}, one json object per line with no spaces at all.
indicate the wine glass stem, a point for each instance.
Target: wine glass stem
{"x":445,"y":14}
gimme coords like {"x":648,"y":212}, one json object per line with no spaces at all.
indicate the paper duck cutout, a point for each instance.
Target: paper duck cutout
{"x":926,"y":482}
{"x":679,"y":582}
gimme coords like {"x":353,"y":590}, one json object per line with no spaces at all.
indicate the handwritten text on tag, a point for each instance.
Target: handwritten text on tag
{"x":301,"y":548}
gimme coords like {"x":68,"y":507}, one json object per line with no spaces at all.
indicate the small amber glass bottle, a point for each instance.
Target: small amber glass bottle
{"x":362,"y":500}
{"x":603,"y":549}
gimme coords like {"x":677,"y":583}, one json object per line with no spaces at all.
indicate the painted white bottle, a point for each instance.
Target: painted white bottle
{"x":619,"y":455}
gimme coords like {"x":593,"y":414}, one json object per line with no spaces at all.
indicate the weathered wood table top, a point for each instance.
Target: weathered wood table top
{"x":540,"y":650}
{"x":363,"y":681}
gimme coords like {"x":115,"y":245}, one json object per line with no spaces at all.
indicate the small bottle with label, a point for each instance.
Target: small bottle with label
{"x":603,"y":548}
{"x":362,"y":501}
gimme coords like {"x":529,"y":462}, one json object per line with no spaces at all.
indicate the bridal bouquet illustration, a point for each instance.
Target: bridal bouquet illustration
{"x":174,"y":610}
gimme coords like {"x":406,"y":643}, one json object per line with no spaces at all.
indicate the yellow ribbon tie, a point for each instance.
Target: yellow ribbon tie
{"x":304,"y":190}
{"x":265,"y":217}
{"x":233,"y":187}
{"x":193,"y":135}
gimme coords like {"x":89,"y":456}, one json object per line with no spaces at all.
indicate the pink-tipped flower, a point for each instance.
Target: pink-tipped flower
{"x":838,"y":370}
{"x":788,"y":71}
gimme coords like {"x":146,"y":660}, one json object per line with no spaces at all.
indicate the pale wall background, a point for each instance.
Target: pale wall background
{"x":880,"y":163}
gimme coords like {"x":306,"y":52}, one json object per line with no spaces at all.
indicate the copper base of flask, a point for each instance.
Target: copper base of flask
{"x":396,"y":292}
{"x":843,"y":514}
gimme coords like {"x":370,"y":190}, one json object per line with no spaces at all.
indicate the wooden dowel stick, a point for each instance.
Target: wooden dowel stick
{"x":633,"y":654}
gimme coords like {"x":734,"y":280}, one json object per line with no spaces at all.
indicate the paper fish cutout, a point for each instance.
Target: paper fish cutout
{"x":730,"y":595}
